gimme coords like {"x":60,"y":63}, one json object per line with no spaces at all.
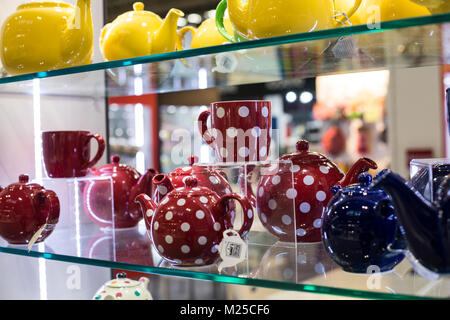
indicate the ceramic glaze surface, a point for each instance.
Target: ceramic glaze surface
{"x":43,"y":36}
{"x":256,"y":19}
{"x":240,"y":130}
{"x":67,"y":154}
{"x":139,"y":33}
{"x":187,"y":226}
{"x":124,"y":289}
{"x":426,"y":224}
{"x":290,"y":200}
{"x":127,"y":184}
{"x":206,"y":34}
{"x":26,"y":207}
{"x":358,"y":226}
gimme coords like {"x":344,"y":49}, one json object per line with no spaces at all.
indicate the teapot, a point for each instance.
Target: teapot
{"x":122,"y":288}
{"x":256,"y":19}
{"x":139,"y":33}
{"x":290,"y":199}
{"x":187,"y":226}
{"x":426,"y":224}
{"x":43,"y":36}
{"x":212,"y":179}
{"x":435,"y":6}
{"x":384,"y":10}
{"x":26,"y":209}
{"x":127,"y":184}
{"x":206,"y":34}
{"x":359,"y":226}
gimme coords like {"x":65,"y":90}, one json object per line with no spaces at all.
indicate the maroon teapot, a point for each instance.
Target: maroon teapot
{"x":290,"y":199}
{"x":127,"y":184}
{"x":187,"y":226}
{"x":24,"y":209}
{"x":214,"y":180}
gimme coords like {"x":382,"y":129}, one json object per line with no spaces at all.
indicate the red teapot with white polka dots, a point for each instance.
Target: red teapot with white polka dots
{"x":187,"y":225}
{"x":290,"y":199}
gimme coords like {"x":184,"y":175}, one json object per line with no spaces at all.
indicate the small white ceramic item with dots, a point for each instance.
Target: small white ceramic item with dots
{"x":123,"y":288}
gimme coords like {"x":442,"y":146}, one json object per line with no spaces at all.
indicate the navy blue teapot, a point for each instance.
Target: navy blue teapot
{"x":426,"y":224}
{"x":360,"y":229}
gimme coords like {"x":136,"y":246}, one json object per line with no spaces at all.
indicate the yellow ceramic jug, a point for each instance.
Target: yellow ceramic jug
{"x":139,"y":33}
{"x":43,"y":36}
{"x":384,"y":10}
{"x":256,"y":19}
{"x":206,"y":34}
{"x":435,"y":6}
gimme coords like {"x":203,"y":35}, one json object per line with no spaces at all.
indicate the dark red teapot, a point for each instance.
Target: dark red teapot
{"x":24,"y":209}
{"x":187,"y":226}
{"x":290,"y":199}
{"x":127,"y":184}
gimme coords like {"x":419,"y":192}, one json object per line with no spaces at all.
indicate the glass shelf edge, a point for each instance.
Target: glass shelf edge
{"x":270,"y":284}
{"x":188,"y":53}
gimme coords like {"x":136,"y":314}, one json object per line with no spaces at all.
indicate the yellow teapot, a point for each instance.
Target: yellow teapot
{"x":435,"y":6}
{"x":384,"y":10}
{"x":43,"y":36}
{"x":139,"y":33}
{"x":256,"y":19}
{"x":206,"y":34}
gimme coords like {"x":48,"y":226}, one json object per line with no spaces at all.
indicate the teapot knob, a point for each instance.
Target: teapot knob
{"x":192,"y":159}
{"x":364,"y":179}
{"x":121,"y":275}
{"x":115,"y":159}
{"x":138,"y":6}
{"x":24,"y":178}
{"x":190,"y":182}
{"x":302,"y":146}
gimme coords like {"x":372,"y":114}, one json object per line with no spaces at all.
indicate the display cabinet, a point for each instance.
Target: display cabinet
{"x":270,"y":262}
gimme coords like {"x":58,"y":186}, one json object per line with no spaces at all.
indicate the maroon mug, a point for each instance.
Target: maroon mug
{"x":67,"y":154}
{"x":240,"y":130}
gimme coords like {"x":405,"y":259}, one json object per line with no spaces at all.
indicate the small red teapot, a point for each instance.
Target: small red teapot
{"x":24,"y":209}
{"x":214,"y":180}
{"x":290,"y":199}
{"x":187,"y":226}
{"x":127,"y":184}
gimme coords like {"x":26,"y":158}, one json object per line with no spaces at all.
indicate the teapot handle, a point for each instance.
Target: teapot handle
{"x":350,"y":13}
{"x":246,"y":209}
{"x":220,"y":12}
{"x":181,"y":33}
{"x":48,"y":207}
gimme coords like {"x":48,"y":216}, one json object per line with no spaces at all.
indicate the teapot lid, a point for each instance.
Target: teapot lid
{"x":122,"y":281}
{"x":362,"y":187}
{"x":115,"y":166}
{"x":304,"y":156}
{"x":192,"y":169}
{"x":191,"y":189}
{"x":23,"y":184}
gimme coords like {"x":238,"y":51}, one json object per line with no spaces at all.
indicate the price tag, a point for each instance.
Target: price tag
{"x":232,"y":249}
{"x":35,"y":237}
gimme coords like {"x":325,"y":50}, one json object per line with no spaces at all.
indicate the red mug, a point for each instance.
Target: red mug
{"x":240,"y":130}
{"x":67,"y":154}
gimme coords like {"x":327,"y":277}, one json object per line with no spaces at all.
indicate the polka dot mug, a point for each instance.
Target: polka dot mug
{"x":187,"y":226}
{"x":240,"y":130}
{"x":290,"y":199}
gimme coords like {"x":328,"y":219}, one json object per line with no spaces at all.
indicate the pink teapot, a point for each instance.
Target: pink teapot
{"x":290,"y":199}
{"x":25,"y":208}
{"x":127,"y":184}
{"x":187,"y":226}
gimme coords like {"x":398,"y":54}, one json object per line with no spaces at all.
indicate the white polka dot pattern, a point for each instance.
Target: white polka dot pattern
{"x":305,"y":207}
{"x":217,"y":226}
{"x":286,"y":219}
{"x":321,"y":195}
{"x":185,"y":227}
{"x":308,"y":180}
{"x":149,"y":213}
{"x":169,"y":239}
{"x":185,"y":249}
{"x":203,"y":199}
{"x":202,"y":240}
{"x":243,"y":111}
{"x":301,"y":232}
{"x":181,"y":202}
{"x":161,"y":249}
{"x":200,"y":214}
{"x":291,"y":193}
{"x":220,"y":112}
{"x":276,"y":180}
{"x":272,"y":204}
{"x":169,"y":215}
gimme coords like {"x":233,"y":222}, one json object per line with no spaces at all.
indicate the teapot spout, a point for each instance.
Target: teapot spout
{"x":167,"y":35}
{"x":419,"y":218}
{"x":144,"y":185}
{"x":148,"y":207}
{"x":163,"y":186}
{"x":360,"y":166}
{"x":79,"y":34}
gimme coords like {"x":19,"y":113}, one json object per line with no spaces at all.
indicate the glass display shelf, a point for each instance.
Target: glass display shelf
{"x":276,"y":266}
{"x":404,"y":43}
